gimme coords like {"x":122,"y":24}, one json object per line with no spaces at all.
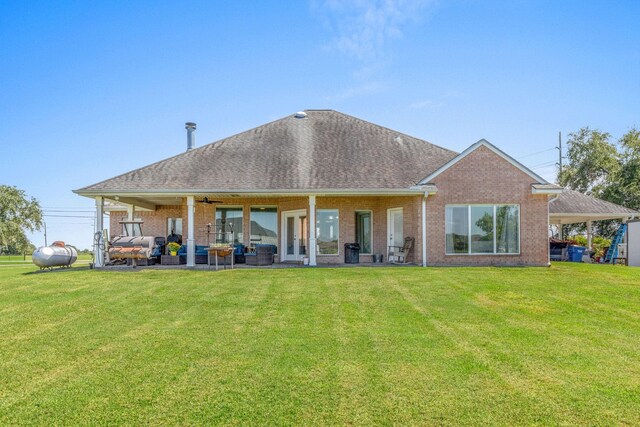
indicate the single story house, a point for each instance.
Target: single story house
{"x":315,"y":180}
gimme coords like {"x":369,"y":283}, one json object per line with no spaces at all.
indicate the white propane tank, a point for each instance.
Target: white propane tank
{"x":56,"y":255}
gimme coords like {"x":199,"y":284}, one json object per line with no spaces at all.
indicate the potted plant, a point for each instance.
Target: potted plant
{"x":173,"y":248}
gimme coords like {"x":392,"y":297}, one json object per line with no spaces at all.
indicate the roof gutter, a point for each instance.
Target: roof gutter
{"x":274,"y":192}
{"x":546,"y":189}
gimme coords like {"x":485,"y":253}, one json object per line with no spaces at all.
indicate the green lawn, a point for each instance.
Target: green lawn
{"x":453,"y":346}
{"x":6,"y":260}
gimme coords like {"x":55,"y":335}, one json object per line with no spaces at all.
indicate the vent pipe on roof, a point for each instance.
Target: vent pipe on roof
{"x":191,"y":139}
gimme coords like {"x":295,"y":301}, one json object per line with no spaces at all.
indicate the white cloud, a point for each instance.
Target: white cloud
{"x":358,"y":90}
{"x":427,"y":104}
{"x":362,"y":29}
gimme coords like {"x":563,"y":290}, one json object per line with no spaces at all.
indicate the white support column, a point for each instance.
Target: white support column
{"x":191,"y":239}
{"x":312,"y":230}
{"x":99,"y":244}
{"x":131,"y":211}
{"x":424,"y":230}
{"x":589,"y":235}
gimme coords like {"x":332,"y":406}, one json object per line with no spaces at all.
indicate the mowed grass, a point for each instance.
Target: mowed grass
{"x":358,"y":346}
{"x":25,"y":260}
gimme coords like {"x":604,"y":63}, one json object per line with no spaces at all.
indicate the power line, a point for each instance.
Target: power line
{"x":534,"y":154}
{"x":548,"y":163}
{"x":69,"y":216}
{"x":67,"y":207}
{"x":68,"y":211}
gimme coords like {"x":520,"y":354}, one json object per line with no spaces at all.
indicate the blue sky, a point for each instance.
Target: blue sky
{"x":89,"y":90}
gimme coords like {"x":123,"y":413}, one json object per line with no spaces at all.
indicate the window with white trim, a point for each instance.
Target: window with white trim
{"x":174,"y":226}
{"x":327,"y":231}
{"x":364,"y":231}
{"x":229,"y":224}
{"x":482,"y":229}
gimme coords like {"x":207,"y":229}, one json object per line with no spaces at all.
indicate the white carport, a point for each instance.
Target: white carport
{"x":572,"y":207}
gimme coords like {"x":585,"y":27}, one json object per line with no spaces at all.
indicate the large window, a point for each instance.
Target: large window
{"x":364,"y":231}
{"x":228,"y":225}
{"x":482,"y":229}
{"x":327,"y":231}
{"x":264,"y":225}
{"x":457,"y":229}
{"x":174,"y":226}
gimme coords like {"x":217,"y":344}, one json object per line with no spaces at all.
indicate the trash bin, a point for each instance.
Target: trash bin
{"x":351,"y":253}
{"x":576,"y":252}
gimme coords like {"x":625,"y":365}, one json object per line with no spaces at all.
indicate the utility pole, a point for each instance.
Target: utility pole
{"x":559,"y":147}
{"x":45,"y":233}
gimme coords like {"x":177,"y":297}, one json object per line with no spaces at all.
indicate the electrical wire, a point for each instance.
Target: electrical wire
{"x":536,"y":153}
{"x":68,"y":216}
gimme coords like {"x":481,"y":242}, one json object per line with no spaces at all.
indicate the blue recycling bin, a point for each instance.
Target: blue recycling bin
{"x":576,"y":252}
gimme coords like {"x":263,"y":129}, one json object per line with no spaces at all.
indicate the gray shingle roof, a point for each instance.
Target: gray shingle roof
{"x":574,"y":202}
{"x":325,"y":150}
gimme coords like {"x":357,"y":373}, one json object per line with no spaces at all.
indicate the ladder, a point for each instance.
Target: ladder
{"x":612,"y":253}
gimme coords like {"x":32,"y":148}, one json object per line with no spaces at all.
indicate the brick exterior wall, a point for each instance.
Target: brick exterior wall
{"x":155,"y":223}
{"x":484,"y":177}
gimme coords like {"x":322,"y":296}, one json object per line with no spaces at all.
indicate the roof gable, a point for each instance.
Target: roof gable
{"x":471,"y":149}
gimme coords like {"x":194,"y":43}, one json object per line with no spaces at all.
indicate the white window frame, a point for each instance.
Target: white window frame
{"x":215,"y":214}
{"x":181,"y":225}
{"x":315,"y":228}
{"x":371,"y":216}
{"x":494,"y":253}
{"x":266,"y":207}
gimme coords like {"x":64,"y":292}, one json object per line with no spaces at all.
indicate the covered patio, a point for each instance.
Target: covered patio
{"x":284,"y":221}
{"x":573,"y":207}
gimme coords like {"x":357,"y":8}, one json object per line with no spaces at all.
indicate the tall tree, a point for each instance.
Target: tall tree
{"x":18,"y":214}
{"x":593,"y":161}
{"x":605,"y":169}
{"x":624,"y":185}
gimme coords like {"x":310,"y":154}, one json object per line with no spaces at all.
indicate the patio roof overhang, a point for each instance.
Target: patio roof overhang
{"x":572,"y":207}
{"x":149,"y":200}
{"x":575,"y":218}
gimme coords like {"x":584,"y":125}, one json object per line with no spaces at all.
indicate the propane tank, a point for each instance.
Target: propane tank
{"x":56,"y":255}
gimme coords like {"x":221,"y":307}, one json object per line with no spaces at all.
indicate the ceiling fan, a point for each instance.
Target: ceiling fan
{"x":206,"y":200}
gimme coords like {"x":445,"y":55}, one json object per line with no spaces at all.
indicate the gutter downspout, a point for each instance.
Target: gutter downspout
{"x":424,"y":229}
{"x":548,"y":251}
{"x":98,"y":243}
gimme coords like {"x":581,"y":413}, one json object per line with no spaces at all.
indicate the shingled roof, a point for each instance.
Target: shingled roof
{"x":325,"y":150}
{"x":572,"y":206}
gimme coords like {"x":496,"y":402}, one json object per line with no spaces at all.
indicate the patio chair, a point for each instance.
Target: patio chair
{"x":399,"y":254}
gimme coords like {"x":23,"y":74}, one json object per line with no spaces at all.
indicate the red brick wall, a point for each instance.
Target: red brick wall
{"x":348,"y":206}
{"x":155,"y":223}
{"x":484,"y":177}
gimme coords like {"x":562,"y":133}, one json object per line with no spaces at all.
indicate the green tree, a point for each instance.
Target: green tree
{"x":18,"y":214}
{"x":593,"y":162}
{"x":605,"y":169}
{"x":624,"y":185}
